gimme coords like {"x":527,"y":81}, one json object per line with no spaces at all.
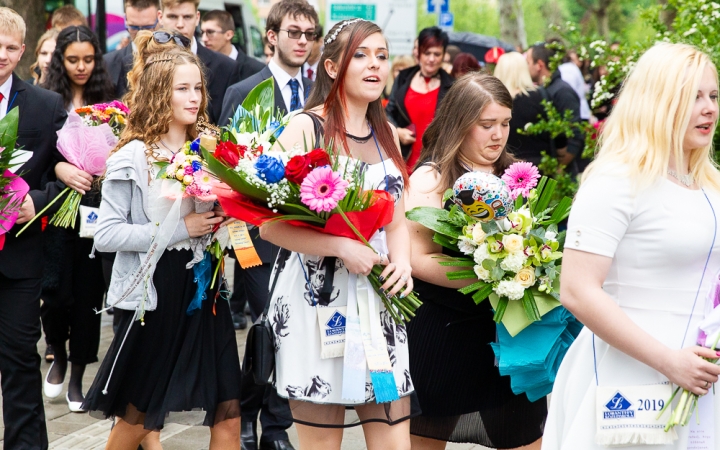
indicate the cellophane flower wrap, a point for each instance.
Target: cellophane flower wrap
{"x":85,"y":141}
{"x":514,"y":258}
{"x":310,"y":187}
{"x":12,"y":188}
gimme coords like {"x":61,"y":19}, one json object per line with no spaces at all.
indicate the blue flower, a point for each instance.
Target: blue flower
{"x":195,"y":145}
{"x":196,"y":165}
{"x":270,"y":169}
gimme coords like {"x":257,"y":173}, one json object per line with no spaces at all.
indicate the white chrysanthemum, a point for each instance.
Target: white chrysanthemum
{"x":513,"y":262}
{"x":510,"y":289}
{"x":466,"y":245}
{"x":482,"y":273}
{"x":481,"y":254}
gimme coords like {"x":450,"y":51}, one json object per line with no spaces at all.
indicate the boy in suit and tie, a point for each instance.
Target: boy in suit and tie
{"x":218,"y":30}
{"x":42,"y":114}
{"x":291,"y":30}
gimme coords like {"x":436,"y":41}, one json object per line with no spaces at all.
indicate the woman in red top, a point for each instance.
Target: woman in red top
{"x":417,"y":93}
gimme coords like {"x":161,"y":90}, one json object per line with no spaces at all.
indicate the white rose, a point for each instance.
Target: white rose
{"x":526,"y":277}
{"x":482,"y":273}
{"x":513,"y":243}
{"x":478,"y":234}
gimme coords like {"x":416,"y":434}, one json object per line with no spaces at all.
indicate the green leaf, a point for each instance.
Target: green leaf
{"x":488,"y":264}
{"x":461,"y":275}
{"x":473,"y":287}
{"x":446,"y":242}
{"x":482,"y":293}
{"x":263,"y":94}
{"x":497,"y":273}
{"x":457,"y":263}
{"x":500,"y":310}
{"x":530,"y":306}
{"x":9,"y":128}
{"x":232,"y":178}
{"x":434,"y":219}
{"x":490,"y":227}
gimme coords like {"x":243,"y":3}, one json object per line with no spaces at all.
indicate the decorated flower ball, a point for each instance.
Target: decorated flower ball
{"x":483,"y":196}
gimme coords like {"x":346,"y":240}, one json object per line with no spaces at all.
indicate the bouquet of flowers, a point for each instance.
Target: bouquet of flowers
{"x":307,"y":187}
{"x":12,"y":188}
{"x":86,"y":140}
{"x":506,"y":233}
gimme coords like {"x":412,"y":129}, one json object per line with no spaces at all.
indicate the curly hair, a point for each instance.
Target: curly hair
{"x":99,"y":88}
{"x":151,"y":97}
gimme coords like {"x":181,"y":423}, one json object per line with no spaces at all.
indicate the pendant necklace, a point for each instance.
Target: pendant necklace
{"x":687,"y":180}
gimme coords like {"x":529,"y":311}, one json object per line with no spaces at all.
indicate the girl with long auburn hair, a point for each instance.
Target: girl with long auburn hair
{"x":317,"y":271}
{"x":639,"y":287}
{"x":462,"y":396}
{"x":169,"y":353}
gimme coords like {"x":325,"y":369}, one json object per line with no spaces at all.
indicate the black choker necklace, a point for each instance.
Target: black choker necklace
{"x":359,"y":140}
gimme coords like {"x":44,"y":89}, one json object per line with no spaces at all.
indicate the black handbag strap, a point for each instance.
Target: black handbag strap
{"x":283,"y":253}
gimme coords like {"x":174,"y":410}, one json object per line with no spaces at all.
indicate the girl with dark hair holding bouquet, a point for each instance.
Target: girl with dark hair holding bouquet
{"x":73,"y":283}
{"x":344,"y":107}
{"x":462,"y":395}
{"x":170,"y":354}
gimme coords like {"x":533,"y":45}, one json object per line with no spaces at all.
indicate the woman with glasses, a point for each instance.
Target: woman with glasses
{"x":417,"y":93}
{"x":169,"y":354}
{"x":73,"y":284}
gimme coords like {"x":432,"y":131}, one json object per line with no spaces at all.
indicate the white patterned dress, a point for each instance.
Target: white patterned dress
{"x":301,"y":374}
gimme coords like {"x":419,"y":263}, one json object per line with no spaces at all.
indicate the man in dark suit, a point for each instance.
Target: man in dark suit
{"x":221,"y":71}
{"x":290,"y":28}
{"x":139,"y":15}
{"x":218,"y":30}
{"x":42,"y":114}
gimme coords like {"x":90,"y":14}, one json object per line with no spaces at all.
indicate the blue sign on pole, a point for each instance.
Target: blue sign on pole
{"x":447,"y":19}
{"x":432,"y":6}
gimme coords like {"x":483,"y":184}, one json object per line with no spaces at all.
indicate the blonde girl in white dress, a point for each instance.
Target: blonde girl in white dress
{"x":641,"y":255}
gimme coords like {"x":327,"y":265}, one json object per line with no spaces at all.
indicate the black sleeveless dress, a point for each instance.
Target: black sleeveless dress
{"x":462,"y":396}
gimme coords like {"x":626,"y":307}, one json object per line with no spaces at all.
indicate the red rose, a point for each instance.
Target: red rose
{"x":228,"y":153}
{"x":297,"y":169}
{"x":318,"y":158}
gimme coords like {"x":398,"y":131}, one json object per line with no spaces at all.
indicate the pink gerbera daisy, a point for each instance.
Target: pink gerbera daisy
{"x":322,"y":189}
{"x":520,"y":178}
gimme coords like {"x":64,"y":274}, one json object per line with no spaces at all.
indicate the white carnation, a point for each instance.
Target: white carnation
{"x":466,"y":245}
{"x":481,"y":254}
{"x":482,"y":273}
{"x":513,"y":262}
{"x":510,"y":289}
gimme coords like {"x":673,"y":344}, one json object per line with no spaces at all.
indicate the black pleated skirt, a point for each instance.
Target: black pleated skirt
{"x":176,"y":362}
{"x":462,"y":396}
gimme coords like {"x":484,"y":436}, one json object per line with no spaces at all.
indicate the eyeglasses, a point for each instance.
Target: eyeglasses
{"x":296,"y":34}
{"x":210,"y":33}
{"x":163,"y":37}
{"x":141,"y":27}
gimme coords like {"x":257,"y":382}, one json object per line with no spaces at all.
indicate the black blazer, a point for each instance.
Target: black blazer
{"x":247,"y":66}
{"x":220,"y":73}
{"x":118,"y":65}
{"x":395,"y":109}
{"x":233,"y":98}
{"x":42,"y":114}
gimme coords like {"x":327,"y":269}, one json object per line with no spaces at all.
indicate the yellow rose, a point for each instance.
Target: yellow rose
{"x":478,"y":234}
{"x":513,"y":243}
{"x":526,"y":277}
{"x":188,"y":179}
{"x":180,"y":174}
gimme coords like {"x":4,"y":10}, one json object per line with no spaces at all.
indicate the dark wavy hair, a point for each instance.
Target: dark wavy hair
{"x":98,"y":88}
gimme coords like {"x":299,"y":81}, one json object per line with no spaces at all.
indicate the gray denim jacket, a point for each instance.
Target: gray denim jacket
{"x":124,"y":225}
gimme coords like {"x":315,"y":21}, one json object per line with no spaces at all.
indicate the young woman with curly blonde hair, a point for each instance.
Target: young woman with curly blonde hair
{"x":165,"y":358}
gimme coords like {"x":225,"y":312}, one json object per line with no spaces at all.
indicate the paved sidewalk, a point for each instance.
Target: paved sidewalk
{"x":75,"y":431}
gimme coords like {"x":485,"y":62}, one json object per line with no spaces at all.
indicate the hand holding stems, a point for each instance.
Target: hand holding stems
{"x":27,"y":210}
{"x":200,"y":224}
{"x":74,"y":178}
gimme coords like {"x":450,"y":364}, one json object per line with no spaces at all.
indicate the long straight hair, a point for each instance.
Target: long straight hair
{"x":458,"y":113}
{"x":331,"y":93}
{"x":649,"y":122}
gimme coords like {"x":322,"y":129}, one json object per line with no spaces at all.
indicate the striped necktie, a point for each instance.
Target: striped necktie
{"x":295,"y":98}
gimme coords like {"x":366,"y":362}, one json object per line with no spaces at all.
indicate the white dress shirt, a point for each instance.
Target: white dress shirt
{"x":570,"y":73}
{"x":233,"y":53}
{"x":282,"y":79}
{"x":314,"y":68}
{"x":5,"y":90}
{"x":193,"y":46}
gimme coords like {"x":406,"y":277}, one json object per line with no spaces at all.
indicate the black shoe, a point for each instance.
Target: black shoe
{"x":239,"y":321}
{"x":248,"y":435}
{"x":49,"y":354}
{"x":281,"y":444}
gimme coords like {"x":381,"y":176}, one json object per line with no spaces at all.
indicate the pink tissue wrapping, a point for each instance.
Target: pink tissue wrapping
{"x":19,"y":189}
{"x":86,"y":147}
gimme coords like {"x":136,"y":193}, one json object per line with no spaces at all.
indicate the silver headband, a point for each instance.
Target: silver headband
{"x":334,"y":36}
